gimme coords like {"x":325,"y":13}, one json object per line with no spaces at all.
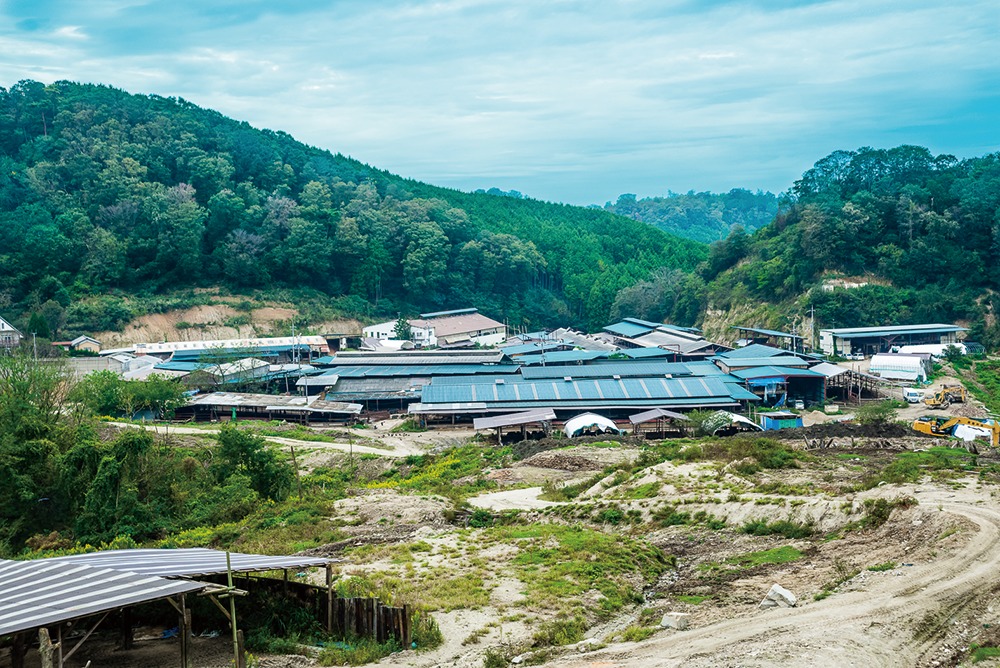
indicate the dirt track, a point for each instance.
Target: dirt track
{"x":401,"y":447}
{"x":896,"y":621}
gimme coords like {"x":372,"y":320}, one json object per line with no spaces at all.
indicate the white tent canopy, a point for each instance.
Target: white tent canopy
{"x":577,"y":425}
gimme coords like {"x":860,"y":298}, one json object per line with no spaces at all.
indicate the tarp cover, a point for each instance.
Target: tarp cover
{"x":721,"y":419}
{"x":577,"y":425}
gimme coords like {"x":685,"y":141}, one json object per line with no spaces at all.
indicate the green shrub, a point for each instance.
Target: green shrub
{"x":481,"y":518}
{"x":881,"y":413}
{"x":786,"y":528}
{"x":357,"y":652}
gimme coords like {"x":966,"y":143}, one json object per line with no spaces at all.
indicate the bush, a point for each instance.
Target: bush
{"x":481,"y":518}
{"x":785,"y":528}
{"x":882,"y":413}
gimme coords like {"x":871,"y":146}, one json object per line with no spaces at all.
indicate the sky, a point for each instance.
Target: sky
{"x":575,"y":101}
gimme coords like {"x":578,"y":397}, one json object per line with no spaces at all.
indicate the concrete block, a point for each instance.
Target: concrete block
{"x":781,"y":596}
{"x":675,"y":620}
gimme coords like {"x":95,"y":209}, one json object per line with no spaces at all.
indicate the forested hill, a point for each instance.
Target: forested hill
{"x":703,"y":216}
{"x":106,"y":192}
{"x":922,"y":230}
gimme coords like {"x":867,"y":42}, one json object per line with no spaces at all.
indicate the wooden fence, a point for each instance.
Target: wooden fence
{"x":370,"y":618}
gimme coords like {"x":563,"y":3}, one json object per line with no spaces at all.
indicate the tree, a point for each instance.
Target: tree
{"x":402,"y":331}
{"x":244,"y":453}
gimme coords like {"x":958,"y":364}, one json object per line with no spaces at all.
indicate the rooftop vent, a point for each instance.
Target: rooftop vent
{"x":616,"y":377}
{"x":668,"y":375}
{"x":499,"y":381}
{"x":568,"y":379}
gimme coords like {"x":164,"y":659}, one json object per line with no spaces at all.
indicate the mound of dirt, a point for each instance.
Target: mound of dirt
{"x":561,"y":462}
{"x":847,"y":430}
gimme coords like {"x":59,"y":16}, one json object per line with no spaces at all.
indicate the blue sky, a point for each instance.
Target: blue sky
{"x":573,"y":101}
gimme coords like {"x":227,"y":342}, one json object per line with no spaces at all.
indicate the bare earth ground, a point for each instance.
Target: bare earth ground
{"x":939,"y":597}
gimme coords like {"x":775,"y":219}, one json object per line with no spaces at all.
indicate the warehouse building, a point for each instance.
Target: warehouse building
{"x":871,"y":340}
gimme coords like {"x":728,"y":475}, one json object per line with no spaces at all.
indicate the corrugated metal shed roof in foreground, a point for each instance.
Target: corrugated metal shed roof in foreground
{"x":187,"y":562}
{"x":49,"y":591}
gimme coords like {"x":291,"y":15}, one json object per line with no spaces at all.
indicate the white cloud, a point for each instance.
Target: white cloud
{"x":577,"y":101}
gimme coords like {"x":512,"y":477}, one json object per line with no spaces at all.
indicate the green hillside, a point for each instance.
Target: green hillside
{"x":922,"y":230}
{"x":703,"y":216}
{"x":107,"y":193}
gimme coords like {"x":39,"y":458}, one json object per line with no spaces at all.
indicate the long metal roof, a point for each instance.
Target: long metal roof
{"x":776,"y":371}
{"x":654,"y":414}
{"x":419,"y":357}
{"x":629,"y":329}
{"x":524,"y":417}
{"x":755,"y":350}
{"x":186,"y":562}
{"x":49,"y":591}
{"x":640,"y":353}
{"x":894,"y":330}
{"x":607,"y":370}
{"x":780,"y":360}
{"x":562,"y":357}
{"x":768,"y":332}
{"x":599,"y":389}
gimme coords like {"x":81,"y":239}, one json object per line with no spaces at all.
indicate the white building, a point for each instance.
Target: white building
{"x":465,"y":327}
{"x":9,"y":336}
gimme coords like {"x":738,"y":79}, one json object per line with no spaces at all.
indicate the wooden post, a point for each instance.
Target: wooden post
{"x":407,"y":635}
{"x":242,"y":650}
{"x":184,"y":628}
{"x":45,"y":648}
{"x":329,"y":598}
{"x":17,"y":651}
{"x":125,"y":629}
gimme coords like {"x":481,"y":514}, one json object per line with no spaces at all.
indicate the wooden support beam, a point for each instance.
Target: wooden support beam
{"x":45,"y":648}
{"x":222,"y":608}
{"x":184,"y":627}
{"x":82,"y":640}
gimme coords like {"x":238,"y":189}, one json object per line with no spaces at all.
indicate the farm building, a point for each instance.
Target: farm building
{"x":84,"y":343}
{"x":751,"y":335}
{"x":10,"y":337}
{"x":871,"y":340}
{"x":780,"y":420}
{"x":446,"y":329}
{"x":913,"y":368}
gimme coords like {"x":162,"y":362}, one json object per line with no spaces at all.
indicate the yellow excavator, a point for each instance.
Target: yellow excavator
{"x":961,"y":427}
{"x":946,"y":396}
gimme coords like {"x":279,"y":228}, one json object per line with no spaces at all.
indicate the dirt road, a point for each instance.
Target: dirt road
{"x":905,"y":620}
{"x":400,"y":447}
{"x":513,"y":499}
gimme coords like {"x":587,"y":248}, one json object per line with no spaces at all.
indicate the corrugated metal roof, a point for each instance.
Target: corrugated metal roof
{"x":529,"y":348}
{"x":525,"y":417}
{"x":779,"y":360}
{"x":704,"y":368}
{"x":776,"y":371}
{"x":607,"y":370}
{"x":422,"y":357}
{"x":640,"y":353}
{"x":755,"y":350}
{"x":598,"y":389}
{"x":894,"y":330}
{"x":391,"y":371}
{"x":768,"y":332}
{"x":654,"y":414}
{"x":48,"y":591}
{"x":629,"y":329}
{"x":186,"y":562}
{"x":563,"y":357}
{"x":829,"y":370}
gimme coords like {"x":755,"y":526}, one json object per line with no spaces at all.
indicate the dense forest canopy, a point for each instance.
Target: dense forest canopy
{"x":106,"y":192}
{"x":922,"y":230}
{"x":700,"y":216}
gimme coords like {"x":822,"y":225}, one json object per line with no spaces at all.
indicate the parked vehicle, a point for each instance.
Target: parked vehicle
{"x":912,"y":395}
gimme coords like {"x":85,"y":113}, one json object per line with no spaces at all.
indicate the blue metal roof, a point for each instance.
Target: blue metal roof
{"x":776,"y":371}
{"x":630,"y":330}
{"x":642,"y":353}
{"x":181,"y":366}
{"x":607,"y":370}
{"x":527,"y":348}
{"x":704,"y":368}
{"x":460,"y":311}
{"x":255,"y":351}
{"x":778,"y":360}
{"x":552,"y":392}
{"x":755,"y":350}
{"x":562,"y":357}
{"x":396,"y":370}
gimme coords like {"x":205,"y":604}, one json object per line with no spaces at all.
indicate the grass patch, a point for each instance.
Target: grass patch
{"x":937,"y":462}
{"x":636,"y":633}
{"x":691,"y":599}
{"x":878,"y":511}
{"x":408,"y":426}
{"x":978,"y":654}
{"x":356,"y":652}
{"x":436,"y":474}
{"x":647,"y":491}
{"x":880,"y":568}
{"x":778,"y":555}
